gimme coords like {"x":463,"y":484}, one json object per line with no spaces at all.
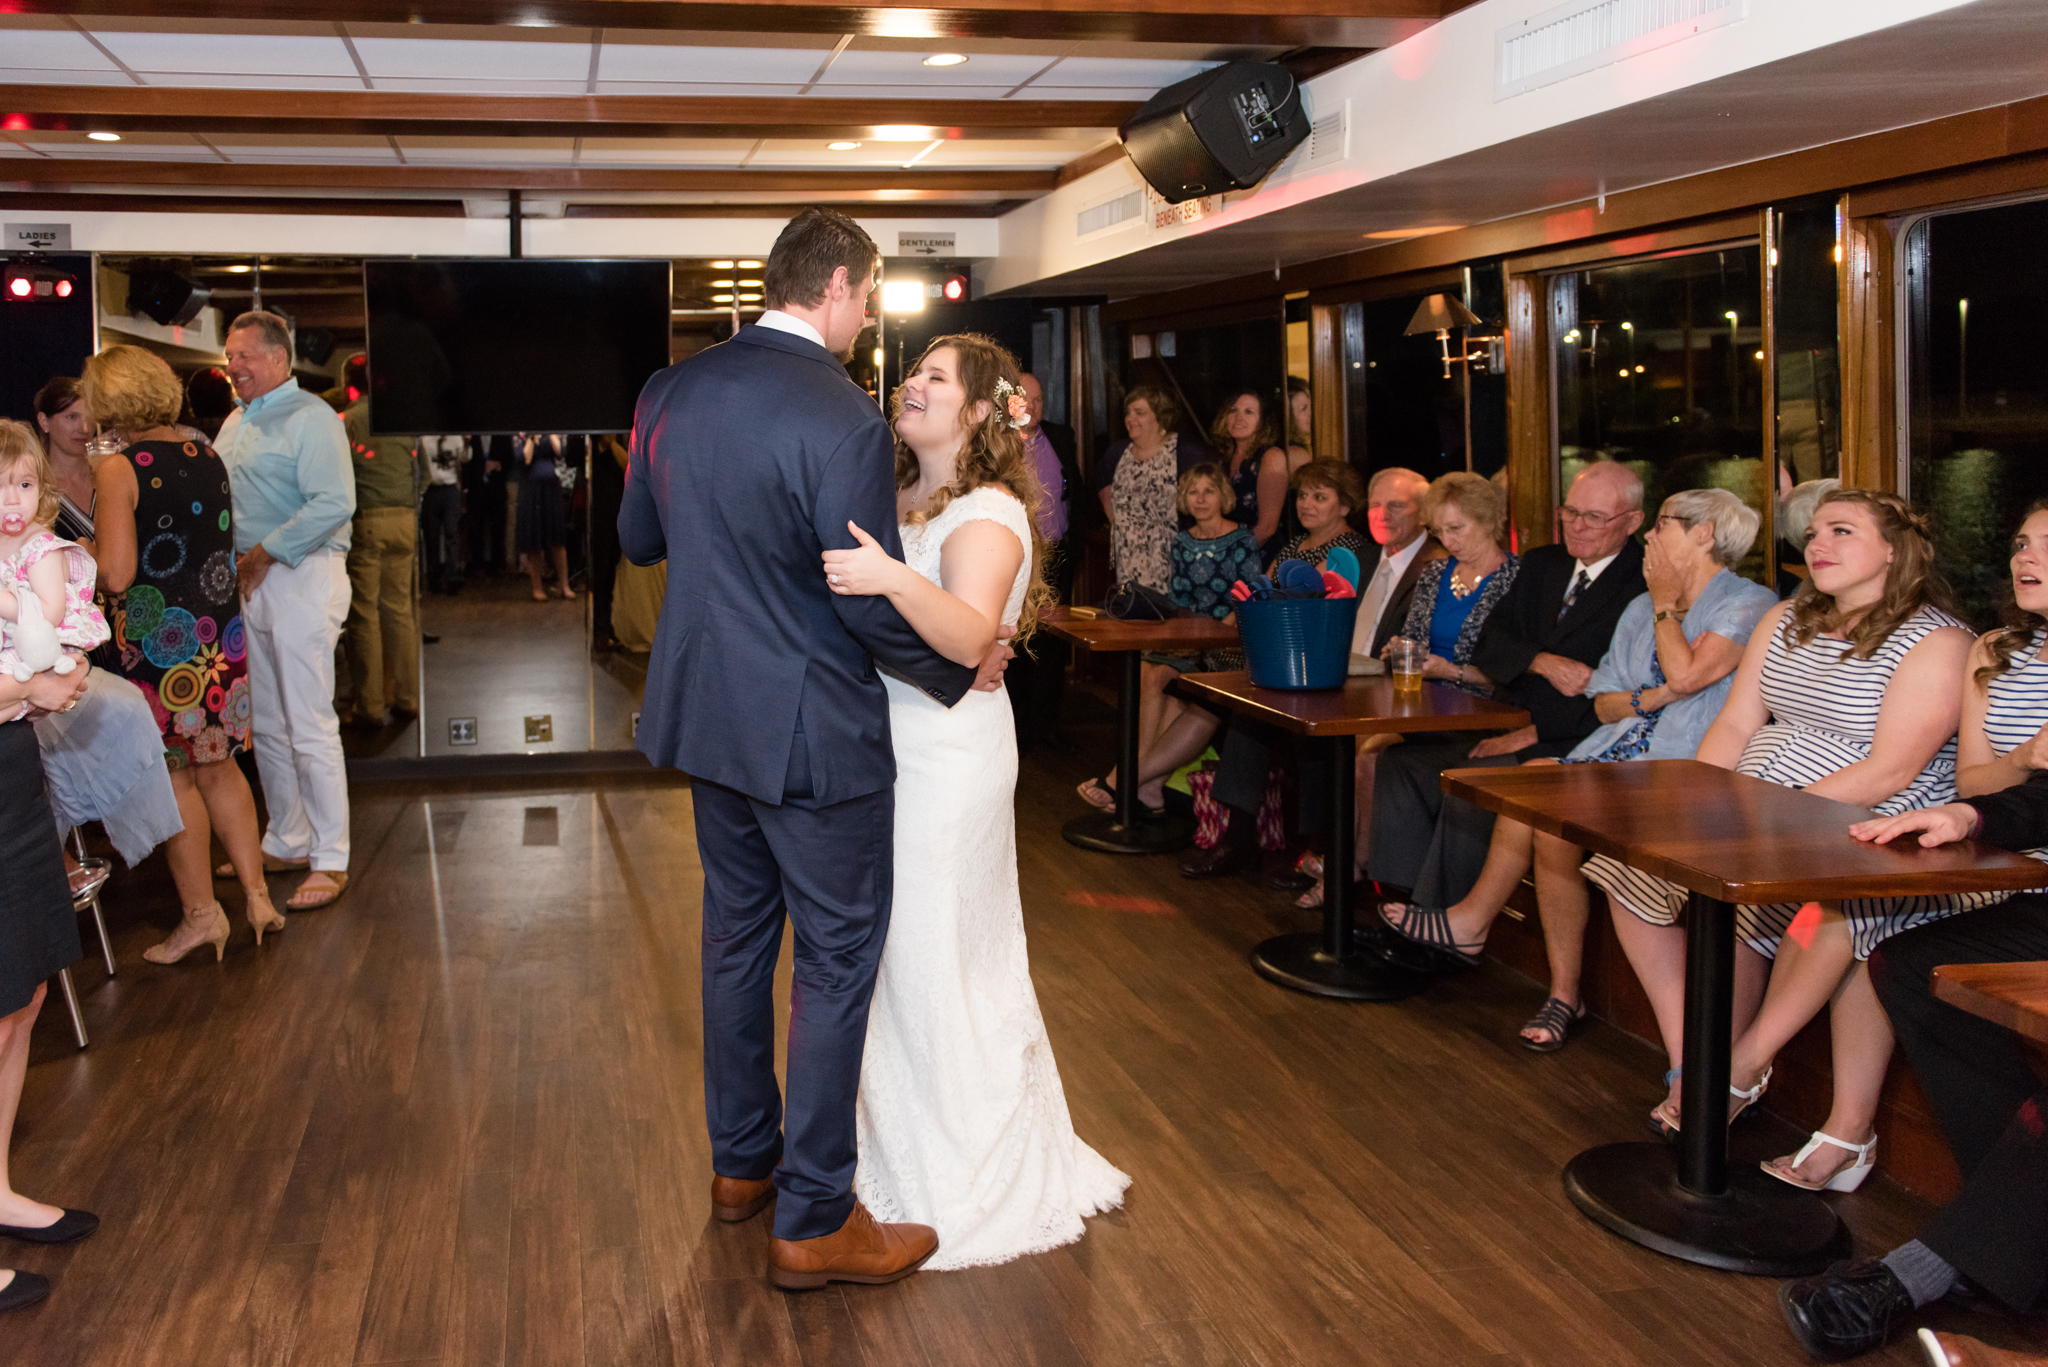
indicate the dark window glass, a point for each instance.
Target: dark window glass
{"x":1659,"y":365}
{"x":1809,"y":383}
{"x":1977,"y":285}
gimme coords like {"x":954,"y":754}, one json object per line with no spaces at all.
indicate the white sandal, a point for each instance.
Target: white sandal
{"x":1848,"y":1177}
{"x":1662,"y":1116}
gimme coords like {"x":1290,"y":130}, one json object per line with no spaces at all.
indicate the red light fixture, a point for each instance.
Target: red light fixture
{"x":20,"y":287}
{"x":28,"y":283}
{"x":956,"y":287}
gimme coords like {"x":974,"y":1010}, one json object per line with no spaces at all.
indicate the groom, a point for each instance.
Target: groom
{"x":747,"y":462}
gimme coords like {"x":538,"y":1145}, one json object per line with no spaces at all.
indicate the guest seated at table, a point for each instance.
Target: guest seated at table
{"x":1453,"y":598}
{"x":1247,"y":442}
{"x":1136,"y":480}
{"x":1207,"y":559}
{"x":1993,"y":1237}
{"x":1538,"y":648}
{"x":1660,"y":685}
{"x":1390,"y":566}
{"x":1326,"y":492}
{"x":1852,"y":691}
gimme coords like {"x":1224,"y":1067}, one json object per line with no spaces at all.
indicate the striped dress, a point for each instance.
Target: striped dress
{"x":2016,"y":707}
{"x":1823,"y":719}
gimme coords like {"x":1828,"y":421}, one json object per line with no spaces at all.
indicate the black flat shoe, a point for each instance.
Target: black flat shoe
{"x":72,"y":1225}
{"x":1214,"y":863}
{"x":26,"y":1289}
{"x":1853,"y":1307}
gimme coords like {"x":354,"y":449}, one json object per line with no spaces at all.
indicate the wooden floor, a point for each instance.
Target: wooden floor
{"x":457,"y":1118}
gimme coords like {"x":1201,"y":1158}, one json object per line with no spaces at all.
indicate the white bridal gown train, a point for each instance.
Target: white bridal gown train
{"x":963,"y":1124}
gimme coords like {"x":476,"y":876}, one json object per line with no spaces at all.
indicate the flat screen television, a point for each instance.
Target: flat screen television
{"x":512,"y":345}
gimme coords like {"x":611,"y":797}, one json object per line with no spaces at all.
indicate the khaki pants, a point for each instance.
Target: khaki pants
{"x":382,"y":633}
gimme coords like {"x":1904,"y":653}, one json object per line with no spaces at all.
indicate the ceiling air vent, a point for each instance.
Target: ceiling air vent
{"x":1571,"y":38}
{"x":1329,"y":137}
{"x":1109,"y":213}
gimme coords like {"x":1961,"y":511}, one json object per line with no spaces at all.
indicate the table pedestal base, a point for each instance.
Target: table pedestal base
{"x":1102,"y":832}
{"x":1304,"y":963}
{"x":1760,"y":1226}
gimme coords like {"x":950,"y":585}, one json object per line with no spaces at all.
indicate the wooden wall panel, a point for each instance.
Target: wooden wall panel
{"x":1868,"y":337}
{"x":1326,"y":377}
{"x":1531,"y":500}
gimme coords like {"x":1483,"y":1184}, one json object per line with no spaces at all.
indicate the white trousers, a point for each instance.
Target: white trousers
{"x":291,"y":624}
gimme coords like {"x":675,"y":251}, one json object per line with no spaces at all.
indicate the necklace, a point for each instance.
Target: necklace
{"x":1462,"y":589}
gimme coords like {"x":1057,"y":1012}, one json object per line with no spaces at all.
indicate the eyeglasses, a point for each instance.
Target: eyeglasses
{"x":1593,"y":520}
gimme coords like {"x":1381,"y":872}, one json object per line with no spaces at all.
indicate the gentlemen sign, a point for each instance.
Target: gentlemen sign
{"x":924,"y":244}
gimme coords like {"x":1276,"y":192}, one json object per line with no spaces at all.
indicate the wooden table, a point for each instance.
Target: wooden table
{"x":1329,"y":964}
{"x":1128,"y":828}
{"x":2012,"y":995}
{"x":1725,"y":838}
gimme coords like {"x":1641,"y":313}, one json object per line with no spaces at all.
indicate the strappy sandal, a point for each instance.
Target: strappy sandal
{"x":1848,"y":1177}
{"x":1667,"y":1119}
{"x":1558,"y":1019}
{"x":317,"y":897}
{"x":1430,"y":927}
{"x":1107,"y":801}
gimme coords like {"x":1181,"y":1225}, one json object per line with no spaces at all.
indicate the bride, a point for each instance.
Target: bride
{"x":962,"y":1121}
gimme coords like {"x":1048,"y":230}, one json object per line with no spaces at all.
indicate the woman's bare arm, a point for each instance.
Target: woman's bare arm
{"x":1745,"y":712}
{"x":114,"y":523}
{"x":1922,"y":704}
{"x":978,"y":565}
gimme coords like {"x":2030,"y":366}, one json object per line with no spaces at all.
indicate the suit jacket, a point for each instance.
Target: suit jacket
{"x":2015,"y":818}
{"x":1404,"y":592}
{"x":1527,"y":624}
{"x":746,"y":463}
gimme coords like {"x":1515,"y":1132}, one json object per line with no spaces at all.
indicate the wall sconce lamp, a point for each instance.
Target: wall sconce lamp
{"x":1439,"y":313}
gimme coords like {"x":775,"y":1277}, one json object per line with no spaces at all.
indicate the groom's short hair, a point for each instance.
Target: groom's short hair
{"x":812,"y":246}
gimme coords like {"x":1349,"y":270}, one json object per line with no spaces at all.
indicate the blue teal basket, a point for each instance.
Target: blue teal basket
{"x":1297,"y":642}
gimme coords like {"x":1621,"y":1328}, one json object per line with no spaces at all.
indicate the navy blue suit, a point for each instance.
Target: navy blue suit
{"x":747,"y":462}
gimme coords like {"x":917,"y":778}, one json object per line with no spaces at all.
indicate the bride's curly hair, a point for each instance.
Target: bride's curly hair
{"x":1911,"y":584}
{"x":993,"y":453}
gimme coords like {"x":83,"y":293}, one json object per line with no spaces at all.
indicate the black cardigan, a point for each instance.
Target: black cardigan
{"x":2015,"y":818}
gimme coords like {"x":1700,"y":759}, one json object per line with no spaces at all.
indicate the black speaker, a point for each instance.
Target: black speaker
{"x":1221,"y":130}
{"x":315,"y":345}
{"x":165,"y":297}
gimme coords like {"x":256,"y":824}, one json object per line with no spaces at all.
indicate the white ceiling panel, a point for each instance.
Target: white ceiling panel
{"x":488,"y":151}
{"x":910,"y":92}
{"x":728,"y":65}
{"x":275,"y":54}
{"x":667,"y":88}
{"x":856,"y":67}
{"x":42,"y":75}
{"x":307,"y":148}
{"x":1119,"y":72}
{"x":246,"y":80}
{"x":52,"y":49}
{"x":14,"y":149}
{"x":1087,"y":92}
{"x":483,"y":59}
{"x":632,"y":152}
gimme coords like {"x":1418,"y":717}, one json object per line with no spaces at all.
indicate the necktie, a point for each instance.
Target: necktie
{"x":1373,"y":607}
{"x":1571,"y":595}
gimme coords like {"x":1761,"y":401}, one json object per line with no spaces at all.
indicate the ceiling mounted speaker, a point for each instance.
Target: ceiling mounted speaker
{"x":1221,"y":130}
{"x":165,"y":297}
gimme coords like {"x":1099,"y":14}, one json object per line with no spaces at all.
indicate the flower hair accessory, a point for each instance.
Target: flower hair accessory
{"x":1015,"y":407}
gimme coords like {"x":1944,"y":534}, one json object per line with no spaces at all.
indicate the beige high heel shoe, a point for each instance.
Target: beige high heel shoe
{"x":184,"y":939}
{"x":262,"y":915}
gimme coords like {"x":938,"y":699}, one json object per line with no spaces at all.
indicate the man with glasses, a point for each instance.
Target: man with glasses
{"x":1538,"y":648}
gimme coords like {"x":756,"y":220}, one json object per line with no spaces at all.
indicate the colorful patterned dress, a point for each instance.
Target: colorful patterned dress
{"x":179,"y":626}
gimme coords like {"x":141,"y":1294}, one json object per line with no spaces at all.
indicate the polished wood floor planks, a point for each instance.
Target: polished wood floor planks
{"x":458,"y":1118}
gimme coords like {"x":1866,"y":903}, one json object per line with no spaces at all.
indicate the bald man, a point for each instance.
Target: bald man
{"x":1538,"y":648}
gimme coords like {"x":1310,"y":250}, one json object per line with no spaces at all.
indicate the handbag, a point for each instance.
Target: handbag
{"x":1131,"y":601}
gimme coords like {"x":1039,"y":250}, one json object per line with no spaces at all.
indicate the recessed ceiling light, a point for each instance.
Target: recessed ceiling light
{"x":1397,"y":234}
{"x":841,"y":146}
{"x":236,"y":270}
{"x":721,"y":299}
{"x":750,"y":298}
{"x":750,"y":265}
{"x":721,"y":265}
{"x":945,"y":59}
{"x":754,"y":283}
{"x":721,"y":284}
{"x":104,"y":137}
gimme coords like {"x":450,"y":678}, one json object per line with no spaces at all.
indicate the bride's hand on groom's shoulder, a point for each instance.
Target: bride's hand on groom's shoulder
{"x":989,"y":677}
{"x":865,"y":569}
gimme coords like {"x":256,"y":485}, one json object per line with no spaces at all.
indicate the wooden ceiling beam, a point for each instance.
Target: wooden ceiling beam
{"x":23,"y":172}
{"x":1270,"y":23}
{"x":380,"y":113}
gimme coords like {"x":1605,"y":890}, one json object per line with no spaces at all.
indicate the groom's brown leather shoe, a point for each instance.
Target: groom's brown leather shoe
{"x":863,"y":1250}
{"x":734,"y":1199}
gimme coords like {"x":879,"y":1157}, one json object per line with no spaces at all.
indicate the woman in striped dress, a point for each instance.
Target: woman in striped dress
{"x":1853,"y":691}
{"x":2004,"y":738}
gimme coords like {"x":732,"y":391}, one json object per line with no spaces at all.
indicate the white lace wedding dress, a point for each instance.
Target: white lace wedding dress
{"x":962,"y":1121}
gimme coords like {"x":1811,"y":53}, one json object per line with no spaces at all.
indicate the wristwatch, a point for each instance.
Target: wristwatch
{"x":1674,"y":614}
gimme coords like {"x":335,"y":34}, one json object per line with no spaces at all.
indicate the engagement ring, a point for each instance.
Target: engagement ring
{"x":833,"y":578}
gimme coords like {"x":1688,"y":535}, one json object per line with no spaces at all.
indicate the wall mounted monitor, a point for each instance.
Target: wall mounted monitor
{"x":500,"y":344}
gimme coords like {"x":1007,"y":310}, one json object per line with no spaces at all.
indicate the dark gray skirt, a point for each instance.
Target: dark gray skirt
{"x":38,"y":929}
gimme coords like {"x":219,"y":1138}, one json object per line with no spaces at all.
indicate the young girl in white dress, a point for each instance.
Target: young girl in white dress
{"x":962,"y":1121}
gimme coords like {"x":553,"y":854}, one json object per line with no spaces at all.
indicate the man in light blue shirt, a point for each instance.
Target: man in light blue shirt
{"x":294,"y":494}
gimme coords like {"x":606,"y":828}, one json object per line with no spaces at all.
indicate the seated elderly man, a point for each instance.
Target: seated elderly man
{"x":1538,"y":649}
{"x":1993,"y":1237}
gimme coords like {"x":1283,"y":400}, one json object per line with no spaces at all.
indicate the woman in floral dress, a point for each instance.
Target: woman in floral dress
{"x":167,"y":561}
